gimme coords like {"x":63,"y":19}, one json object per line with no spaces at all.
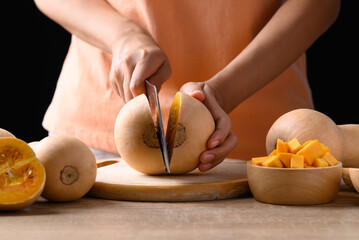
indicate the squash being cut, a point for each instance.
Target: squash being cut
{"x":190,"y":124}
{"x":22,"y":176}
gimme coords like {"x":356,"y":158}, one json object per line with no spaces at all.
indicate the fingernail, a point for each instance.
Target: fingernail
{"x":208,"y":158}
{"x":214,"y":143}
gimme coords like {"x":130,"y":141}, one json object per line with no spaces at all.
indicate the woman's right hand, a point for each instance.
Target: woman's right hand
{"x":135,"y":54}
{"x":135,"y":58}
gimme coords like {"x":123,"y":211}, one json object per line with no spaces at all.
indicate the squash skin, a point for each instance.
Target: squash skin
{"x":57,"y":152}
{"x":6,"y":133}
{"x":27,"y":154}
{"x":198,"y":121}
{"x":308,"y":124}
{"x":134,"y":117}
{"x":130,"y":126}
{"x":351,"y":144}
{"x":354,"y":176}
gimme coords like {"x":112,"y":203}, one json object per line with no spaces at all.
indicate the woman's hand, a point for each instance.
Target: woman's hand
{"x":137,"y":57}
{"x":223,"y":140}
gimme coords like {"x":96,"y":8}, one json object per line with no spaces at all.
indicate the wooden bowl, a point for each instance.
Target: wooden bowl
{"x":288,"y":186}
{"x":351,"y":178}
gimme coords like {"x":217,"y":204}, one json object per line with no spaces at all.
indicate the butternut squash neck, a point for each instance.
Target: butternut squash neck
{"x":350,"y":142}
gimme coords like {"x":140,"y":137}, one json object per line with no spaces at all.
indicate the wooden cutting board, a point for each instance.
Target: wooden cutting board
{"x":116,"y":180}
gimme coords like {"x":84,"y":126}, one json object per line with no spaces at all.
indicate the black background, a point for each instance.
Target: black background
{"x":34,"y":48}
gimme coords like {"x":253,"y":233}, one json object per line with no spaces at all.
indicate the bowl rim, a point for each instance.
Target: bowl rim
{"x":338,"y":165}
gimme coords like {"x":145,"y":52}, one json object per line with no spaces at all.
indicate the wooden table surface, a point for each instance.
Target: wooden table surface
{"x":241,"y":218}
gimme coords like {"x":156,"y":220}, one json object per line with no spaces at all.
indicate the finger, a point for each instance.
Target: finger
{"x":223,"y":122}
{"x":115,"y":86}
{"x":221,"y":151}
{"x":161,"y":75}
{"x":203,"y":167}
{"x":223,"y":128}
{"x":137,"y":82}
{"x":126,"y":86}
{"x":114,"y":80}
{"x":220,"y":155}
{"x":194,"y":89}
{"x":153,"y":67}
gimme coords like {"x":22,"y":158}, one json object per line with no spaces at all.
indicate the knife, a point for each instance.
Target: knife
{"x":153,"y":100}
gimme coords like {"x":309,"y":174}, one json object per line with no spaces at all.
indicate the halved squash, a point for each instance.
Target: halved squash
{"x":22,"y":176}
{"x":190,"y":124}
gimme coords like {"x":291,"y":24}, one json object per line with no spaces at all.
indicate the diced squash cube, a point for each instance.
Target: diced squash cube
{"x":330,"y":159}
{"x":291,"y":154}
{"x":274,"y":152}
{"x":294,"y":145}
{"x":258,"y":160}
{"x":282,"y":147}
{"x":307,"y":142}
{"x":285,"y":158}
{"x":303,"y":145}
{"x":324,"y":148}
{"x":273,"y":162}
{"x":320,"y":162}
{"x":311,"y":151}
{"x":297,"y":161}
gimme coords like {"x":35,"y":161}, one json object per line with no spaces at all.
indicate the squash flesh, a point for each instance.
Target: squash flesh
{"x":297,"y":161}
{"x":292,"y":154}
{"x":22,"y":176}
{"x":311,"y":151}
{"x":172,"y":124}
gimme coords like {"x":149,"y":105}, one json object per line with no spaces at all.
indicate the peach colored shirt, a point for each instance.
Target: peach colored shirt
{"x":200,"y":38}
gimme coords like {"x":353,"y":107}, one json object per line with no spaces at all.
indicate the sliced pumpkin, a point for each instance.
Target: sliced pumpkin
{"x":22,"y":176}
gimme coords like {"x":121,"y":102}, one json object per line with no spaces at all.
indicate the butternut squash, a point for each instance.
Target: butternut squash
{"x":307,"y":124}
{"x":22,"y":176}
{"x":5,"y":133}
{"x":70,"y":166}
{"x":190,"y":124}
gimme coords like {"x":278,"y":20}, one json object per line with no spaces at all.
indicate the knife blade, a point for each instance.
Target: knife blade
{"x":153,"y":100}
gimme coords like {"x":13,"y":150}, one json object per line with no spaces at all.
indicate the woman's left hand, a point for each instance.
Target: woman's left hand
{"x":223,"y":140}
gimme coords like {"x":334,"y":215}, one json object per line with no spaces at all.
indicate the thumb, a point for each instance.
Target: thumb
{"x":194,"y":89}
